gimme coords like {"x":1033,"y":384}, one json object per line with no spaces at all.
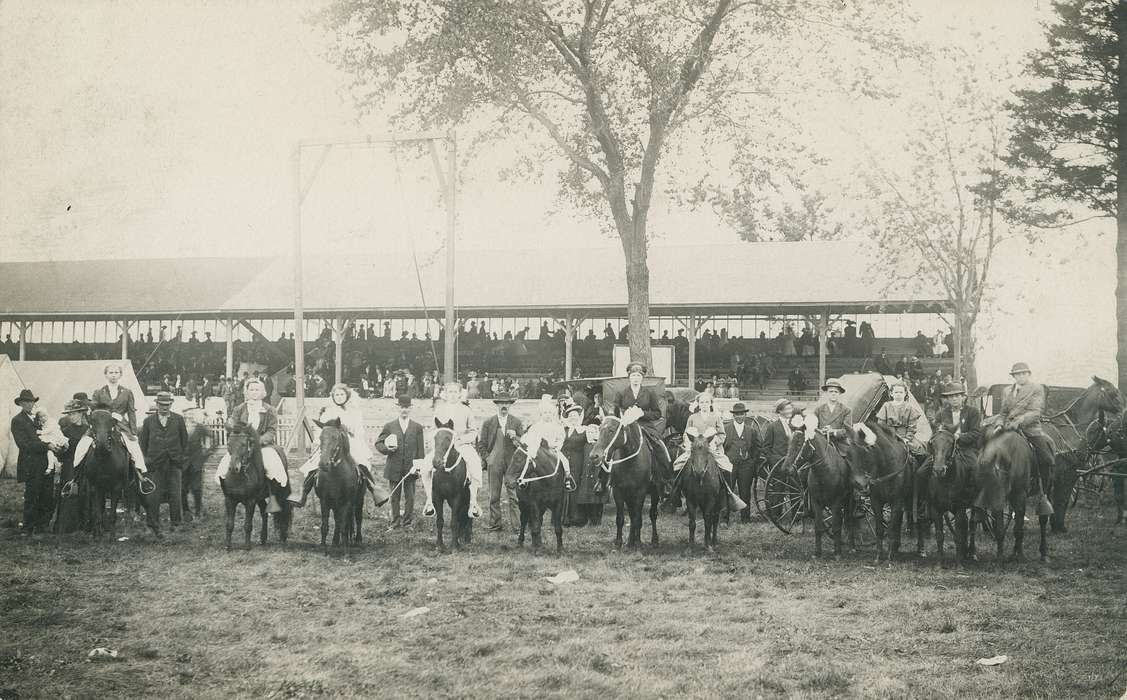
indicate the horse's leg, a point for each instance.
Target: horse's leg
{"x":440,"y":518}
{"x":999,"y":535}
{"x":557,"y":524}
{"x":230,"y":504}
{"x":655,"y":502}
{"x":1119,"y":487}
{"x":961,"y":532}
{"x":837,"y":518}
{"x":896,"y":522}
{"x":691,"y":511}
{"x":248,"y":520}
{"x":878,"y":525}
{"x":265,"y":519}
{"x":344,"y":524}
{"x":819,"y":526}
{"x":620,"y":515}
{"x":637,"y":506}
{"x":523,"y":509}
{"x":1019,"y":531}
{"x":324,"y":523}
{"x":358,"y":515}
{"x":537,"y":517}
{"x":921,"y":531}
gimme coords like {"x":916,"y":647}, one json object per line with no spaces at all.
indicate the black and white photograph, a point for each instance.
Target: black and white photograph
{"x":563,"y":349}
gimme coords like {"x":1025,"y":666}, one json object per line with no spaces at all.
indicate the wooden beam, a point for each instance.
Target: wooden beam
{"x":23,"y":326}
{"x":124,"y":326}
{"x":823,"y":325}
{"x":338,"y":349}
{"x":263,"y":339}
{"x":229,"y":324}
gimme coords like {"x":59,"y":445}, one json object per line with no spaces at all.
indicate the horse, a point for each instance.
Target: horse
{"x":950,"y":488}
{"x":827,"y":481}
{"x":450,"y":486}
{"x":246,"y":483}
{"x":631,"y":477}
{"x":1080,"y":429}
{"x":539,"y":485}
{"x":703,"y":488}
{"x":1002,"y":478}
{"x":883,"y":465}
{"x":338,"y":488}
{"x":106,"y":470}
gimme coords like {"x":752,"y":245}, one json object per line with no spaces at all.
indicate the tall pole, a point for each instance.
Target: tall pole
{"x":692,"y":330}
{"x":451,"y":189}
{"x":125,"y":326}
{"x":298,"y":303}
{"x":569,"y":338}
{"x":823,"y":338}
{"x":229,"y":324}
{"x":23,"y":325}
{"x":338,"y":350}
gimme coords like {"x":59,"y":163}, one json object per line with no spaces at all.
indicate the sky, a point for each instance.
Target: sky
{"x":157,"y":129}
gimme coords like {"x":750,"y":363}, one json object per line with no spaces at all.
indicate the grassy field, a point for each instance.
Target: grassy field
{"x":758,"y":619}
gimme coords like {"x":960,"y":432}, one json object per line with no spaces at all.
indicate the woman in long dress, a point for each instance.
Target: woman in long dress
{"x":260,"y":415}
{"x":118,"y":400}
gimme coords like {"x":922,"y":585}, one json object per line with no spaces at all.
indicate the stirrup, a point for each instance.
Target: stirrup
{"x":428,"y":510}
{"x":569,"y":483}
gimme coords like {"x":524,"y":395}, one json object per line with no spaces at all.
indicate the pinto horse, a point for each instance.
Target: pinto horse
{"x":951,"y":489}
{"x":538,"y":481}
{"x":1077,"y":431}
{"x":450,"y":486}
{"x":106,"y":470}
{"x":338,"y":488}
{"x":631,"y":477}
{"x":1002,"y":479}
{"x":246,"y":483}
{"x":827,"y":481}
{"x":703,"y":488}
{"x":884,"y":467}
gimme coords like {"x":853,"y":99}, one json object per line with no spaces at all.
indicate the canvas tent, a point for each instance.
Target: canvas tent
{"x":10,"y":386}
{"x":56,"y":382}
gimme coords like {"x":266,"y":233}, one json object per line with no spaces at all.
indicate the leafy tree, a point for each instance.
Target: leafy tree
{"x":613,"y":85}
{"x":1069,"y":129}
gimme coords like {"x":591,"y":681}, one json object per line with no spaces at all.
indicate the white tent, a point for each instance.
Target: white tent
{"x":56,"y":382}
{"x":10,"y":386}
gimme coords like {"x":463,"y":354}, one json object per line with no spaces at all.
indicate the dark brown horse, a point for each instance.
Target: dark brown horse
{"x":631,"y":476}
{"x":450,"y":487}
{"x":827,"y":480}
{"x":338,"y":488}
{"x":883,"y":466}
{"x":107,"y":472}
{"x":1002,"y":481}
{"x":951,"y":489}
{"x":703,"y":488}
{"x":539,"y":484}
{"x":246,"y":483}
{"x":1078,"y":431}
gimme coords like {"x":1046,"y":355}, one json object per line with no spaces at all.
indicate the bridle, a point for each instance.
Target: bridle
{"x":806,"y":443}
{"x":608,"y":463}
{"x":446,"y":455}
{"x":528,"y":459}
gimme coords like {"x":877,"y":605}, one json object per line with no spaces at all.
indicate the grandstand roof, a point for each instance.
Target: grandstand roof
{"x":736,"y":279}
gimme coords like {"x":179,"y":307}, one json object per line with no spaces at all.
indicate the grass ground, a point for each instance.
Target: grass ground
{"x":758,"y":619}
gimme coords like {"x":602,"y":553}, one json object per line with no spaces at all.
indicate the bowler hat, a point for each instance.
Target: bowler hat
{"x":503,"y":397}
{"x":781,"y":404}
{"x":26,"y":395}
{"x":833,"y":384}
{"x":952,"y":389}
{"x":404,"y":401}
{"x":164,"y":398}
{"x":1019,"y":367}
{"x":738,"y":409}
{"x":635,"y":366}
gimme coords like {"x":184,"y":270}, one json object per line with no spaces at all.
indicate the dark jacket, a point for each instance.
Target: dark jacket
{"x":32,"y":461}
{"x":266,"y":426}
{"x":652,"y":421}
{"x":775,"y":443}
{"x":412,"y":446}
{"x":970,"y":424}
{"x":742,"y":451}
{"x":491,"y":433}
{"x":123,"y":404}
{"x":164,"y":442}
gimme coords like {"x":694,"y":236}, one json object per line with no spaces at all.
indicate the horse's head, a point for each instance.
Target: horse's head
{"x":445,"y":449}
{"x":612,"y":436}
{"x":801,"y":449}
{"x":242,"y":442}
{"x":1109,"y":398}
{"x":941,"y":447}
{"x":104,"y":429}
{"x":700,"y":452}
{"x":333,"y":442}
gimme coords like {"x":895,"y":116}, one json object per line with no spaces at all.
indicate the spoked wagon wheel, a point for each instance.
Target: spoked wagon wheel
{"x":860,"y":526}
{"x":781,"y":497}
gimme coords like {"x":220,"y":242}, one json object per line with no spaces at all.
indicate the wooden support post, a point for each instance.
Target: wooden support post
{"x":569,"y":325}
{"x":23,"y":326}
{"x":338,"y":349}
{"x":691,"y":331}
{"x":229,"y":324}
{"x":451,"y":220}
{"x":957,"y":351}
{"x":298,"y":303}
{"x":823,"y":336}
{"x":124,"y":326}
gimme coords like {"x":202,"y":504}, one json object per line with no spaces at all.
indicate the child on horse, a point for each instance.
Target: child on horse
{"x":261,"y":416}
{"x":549,"y":431}
{"x":118,"y":400}
{"x":903,"y":418}
{"x":452,"y":409}
{"x":704,"y":421}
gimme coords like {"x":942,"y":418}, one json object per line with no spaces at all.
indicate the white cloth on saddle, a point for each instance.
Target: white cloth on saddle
{"x":271,"y":462}
{"x":131,"y":445}
{"x":715,"y":446}
{"x":469,"y":456}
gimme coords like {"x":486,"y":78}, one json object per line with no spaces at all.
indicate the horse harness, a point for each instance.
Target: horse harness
{"x":446,"y":455}
{"x":608,"y":463}
{"x":528,"y":459}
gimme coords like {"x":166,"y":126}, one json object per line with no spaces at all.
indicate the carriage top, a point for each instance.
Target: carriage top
{"x":865,"y":393}
{"x":610,"y":388}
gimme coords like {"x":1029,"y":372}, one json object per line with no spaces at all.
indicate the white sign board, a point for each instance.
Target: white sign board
{"x":661,"y":362}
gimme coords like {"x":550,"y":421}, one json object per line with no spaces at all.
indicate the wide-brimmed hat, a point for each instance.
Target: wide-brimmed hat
{"x":572,"y":408}
{"x":640,"y":367}
{"x":503,"y":397}
{"x":952,"y":389}
{"x":164,"y":398}
{"x":739,"y":408}
{"x":1019,"y":367}
{"x":26,"y":395}
{"x":404,"y":401}
{"x":781,"y":404}
{"x":76,"y":406}
{"x":833,"y":384}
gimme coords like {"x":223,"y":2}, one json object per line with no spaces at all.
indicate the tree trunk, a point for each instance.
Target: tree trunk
{"x":1121,"y":201}
{"x":638,"y":299}
{"x":969,"y":369}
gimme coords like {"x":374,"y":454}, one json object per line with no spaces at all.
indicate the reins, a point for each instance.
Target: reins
{"x":608,"y":463}
{"x":446,"y":455}
{"x":528,"y":459}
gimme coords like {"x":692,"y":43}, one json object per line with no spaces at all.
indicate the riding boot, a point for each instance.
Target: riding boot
{"x":379,"y":495}
{"x":569,"y":482}
{"x":673,"y":500}
{"x":601,"y":481}
{"x":306,"y":487}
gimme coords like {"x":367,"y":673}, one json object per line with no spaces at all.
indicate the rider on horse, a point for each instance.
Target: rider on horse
{"x":834,"y":417}
{"x":1022,"y":405}
{"x":958,"y":418}
{"x":550,"y":431}
{"x":261,"y":416}
{"x":903,"y":418}
{"x":118,"y":400}
{"x":452,"y":409}
{"x":704,"y":421}
{"x":641,"y":404}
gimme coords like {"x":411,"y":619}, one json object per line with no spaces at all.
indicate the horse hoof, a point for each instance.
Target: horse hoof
{"x":921,"y":554}
{"x":1045,"y":559}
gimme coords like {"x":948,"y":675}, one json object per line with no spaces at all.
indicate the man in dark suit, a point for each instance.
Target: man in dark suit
{"x":741,"y":444}
{"x":31,"y":466}
{"x":776,"y":434}
{"x":642,"y":405}
{"x":164,"y":442}
{"x":962,"y":420}
{"x":402,"y":442}
{"x":496,"y":444}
